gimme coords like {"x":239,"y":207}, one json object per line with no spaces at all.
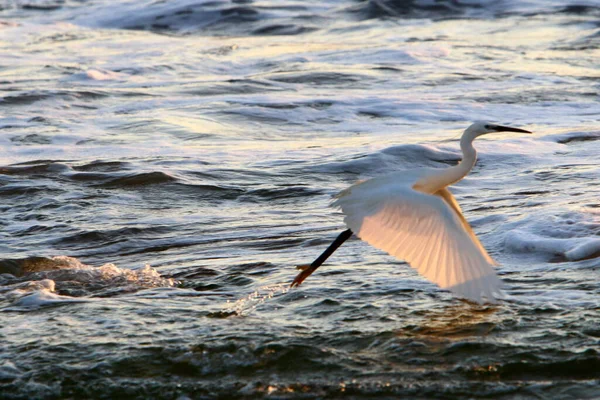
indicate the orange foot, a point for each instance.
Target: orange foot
{"x":306,"y":271}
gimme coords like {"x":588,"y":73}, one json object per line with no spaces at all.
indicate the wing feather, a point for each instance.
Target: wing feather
{"x":451,"y":201}
{"x":427,"y":231}
{"x":455,"y":272}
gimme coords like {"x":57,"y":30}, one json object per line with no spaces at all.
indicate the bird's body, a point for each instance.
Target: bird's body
{"x":426,"y":230}
{"x":414,"y":217}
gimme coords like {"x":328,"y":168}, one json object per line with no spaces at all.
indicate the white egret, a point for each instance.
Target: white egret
{"x":414,"y":217}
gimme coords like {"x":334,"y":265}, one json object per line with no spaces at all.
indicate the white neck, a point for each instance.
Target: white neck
{"x":449,"y":176}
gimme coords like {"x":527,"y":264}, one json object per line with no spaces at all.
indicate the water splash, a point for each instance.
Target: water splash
{"x":251,"y":302}
{"x":70,"y":280}
{"x":71,"y":269}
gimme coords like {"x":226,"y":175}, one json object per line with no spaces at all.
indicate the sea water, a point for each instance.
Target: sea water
{"x":164,"y":166}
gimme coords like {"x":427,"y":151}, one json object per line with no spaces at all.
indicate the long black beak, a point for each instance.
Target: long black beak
{"x":500,"y":128}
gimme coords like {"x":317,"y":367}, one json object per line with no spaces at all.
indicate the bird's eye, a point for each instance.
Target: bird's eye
{"x":488,"y":127}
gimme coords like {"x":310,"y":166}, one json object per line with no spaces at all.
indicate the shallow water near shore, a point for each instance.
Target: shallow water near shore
{"x":165,"y":165}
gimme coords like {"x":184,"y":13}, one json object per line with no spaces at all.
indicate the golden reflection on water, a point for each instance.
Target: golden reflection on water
{"x":456,"y":321}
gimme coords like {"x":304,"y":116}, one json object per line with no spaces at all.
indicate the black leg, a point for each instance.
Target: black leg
{"x":309,"y":269}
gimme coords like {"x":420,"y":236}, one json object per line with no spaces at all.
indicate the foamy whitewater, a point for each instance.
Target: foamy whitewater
{"x":164,"y":166}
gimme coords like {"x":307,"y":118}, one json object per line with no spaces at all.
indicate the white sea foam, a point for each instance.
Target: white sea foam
{"x":44,"y":298}
{"x":72,"y":267}
{"x":33,"y":295}
{"x":68,"y":274}
{"x":572,"y":249}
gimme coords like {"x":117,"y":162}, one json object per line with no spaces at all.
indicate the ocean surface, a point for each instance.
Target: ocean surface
{"x":165,"y":165}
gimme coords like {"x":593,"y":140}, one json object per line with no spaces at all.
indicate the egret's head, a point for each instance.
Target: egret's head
{"x":481,"y":128}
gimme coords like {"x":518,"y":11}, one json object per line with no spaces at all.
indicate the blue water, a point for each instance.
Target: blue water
{"x":164,"y":166}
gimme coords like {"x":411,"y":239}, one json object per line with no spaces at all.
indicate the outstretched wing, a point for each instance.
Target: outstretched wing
{"x":451,"y":201}
{"x":426,"y":232}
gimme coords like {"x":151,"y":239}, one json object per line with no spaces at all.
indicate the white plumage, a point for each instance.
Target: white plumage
{"x":414,"y":217}
{"x":424,"y":230}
